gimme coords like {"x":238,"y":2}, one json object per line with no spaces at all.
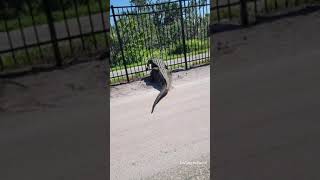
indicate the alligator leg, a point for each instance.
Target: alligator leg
{"x":155,"y":74}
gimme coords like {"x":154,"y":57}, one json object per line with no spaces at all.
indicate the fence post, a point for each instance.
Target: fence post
{"x":244,"y":12}
{"x":1,"y":64}
{"x":120,"y":42}
{"x":53,"y":33}
{"x":183,"y":36}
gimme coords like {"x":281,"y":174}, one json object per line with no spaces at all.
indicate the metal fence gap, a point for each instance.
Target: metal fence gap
{"x":183,"y":36}
{"x":120,"y":44}
{"x":53,"y":33}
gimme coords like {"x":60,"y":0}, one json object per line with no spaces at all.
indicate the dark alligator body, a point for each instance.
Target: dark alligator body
{"x":158,"y":67}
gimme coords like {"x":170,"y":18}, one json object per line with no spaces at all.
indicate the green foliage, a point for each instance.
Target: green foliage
{"x":156,"y":34}
{"x":139,"y":2}
{"x":11,"y":10}
{"x":191,"y":46}
{"x":133,"y":42}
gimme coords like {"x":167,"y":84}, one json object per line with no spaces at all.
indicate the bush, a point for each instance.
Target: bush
{"x":177,"y":49}
{"x":191,"y":45}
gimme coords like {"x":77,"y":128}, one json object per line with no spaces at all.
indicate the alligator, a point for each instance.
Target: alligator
{"x":158,"y":67}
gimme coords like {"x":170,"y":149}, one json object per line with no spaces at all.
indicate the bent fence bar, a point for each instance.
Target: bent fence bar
{"x":51,"y":33}
{"x":175,"y":31}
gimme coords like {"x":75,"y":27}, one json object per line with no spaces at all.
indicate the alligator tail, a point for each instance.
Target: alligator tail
{"x":161,"y":95}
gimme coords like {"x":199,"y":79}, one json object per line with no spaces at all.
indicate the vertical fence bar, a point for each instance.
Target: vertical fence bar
{"x":53,"y":33}
{"x":183,"y":36}
{"x":143,"y":18}
{"x":79,"y":24}
{"x":35,"y":28}
{"x":188,"y":33}
{"x":266,"y":6}
{"x":168,"y":40}
{"x":103,"y":23}
{"x":162,"y":40}
{"x":196,"y":27}
{"x":141,"y":53}
{"x":10,"y":41}
{"x":177,"y":37}
{"x":255,"y":8}
{"x":1,"y":64}
{"x":120,"y":43}
{"x":202,"y":35}
{"x":153,"y":36}
{"x":24,"y":39}
{"x":67,"y":26}
{"x":155,"y":21}
{"x":205,"y":34}
{"x":229,"y":9}
{"x":244,"y":12}
{"x":130,"y":50}
{"x":91,"y":25}
{"x":218,"y":10}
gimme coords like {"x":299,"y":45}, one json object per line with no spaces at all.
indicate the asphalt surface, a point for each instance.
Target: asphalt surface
{"x":55,"y":127}
{"x":266,"y":101}
{"x":142,"y":144}
{"x":68,"y":142}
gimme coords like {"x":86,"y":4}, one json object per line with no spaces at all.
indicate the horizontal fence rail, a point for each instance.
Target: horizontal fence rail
{"x":175,"y":31}
{"x":51,"y":33}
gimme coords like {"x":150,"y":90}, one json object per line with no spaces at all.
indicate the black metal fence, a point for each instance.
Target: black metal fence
{"x":51,"y":33}
{"x":245,"y":12}
{"x":175,"y":31}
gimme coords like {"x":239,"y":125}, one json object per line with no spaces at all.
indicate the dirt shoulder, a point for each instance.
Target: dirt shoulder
{"x":51,"y":89}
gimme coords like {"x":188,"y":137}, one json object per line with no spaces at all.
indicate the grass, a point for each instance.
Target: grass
{"x":40,"y":18}
{"x":22,"y":59}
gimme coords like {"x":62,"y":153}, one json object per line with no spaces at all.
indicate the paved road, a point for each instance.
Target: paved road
{"x":55,"y":130}
{"x":266,"y":101}
{"x":68,"y":142}
{"x":122,"y":72}
{"x":144,"y":144}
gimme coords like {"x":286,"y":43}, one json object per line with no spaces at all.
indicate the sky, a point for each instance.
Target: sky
{"x":119,"y":2}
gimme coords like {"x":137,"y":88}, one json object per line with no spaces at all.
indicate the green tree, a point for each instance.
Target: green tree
{"x":132,"y":38}
{"x":140,"y":2}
